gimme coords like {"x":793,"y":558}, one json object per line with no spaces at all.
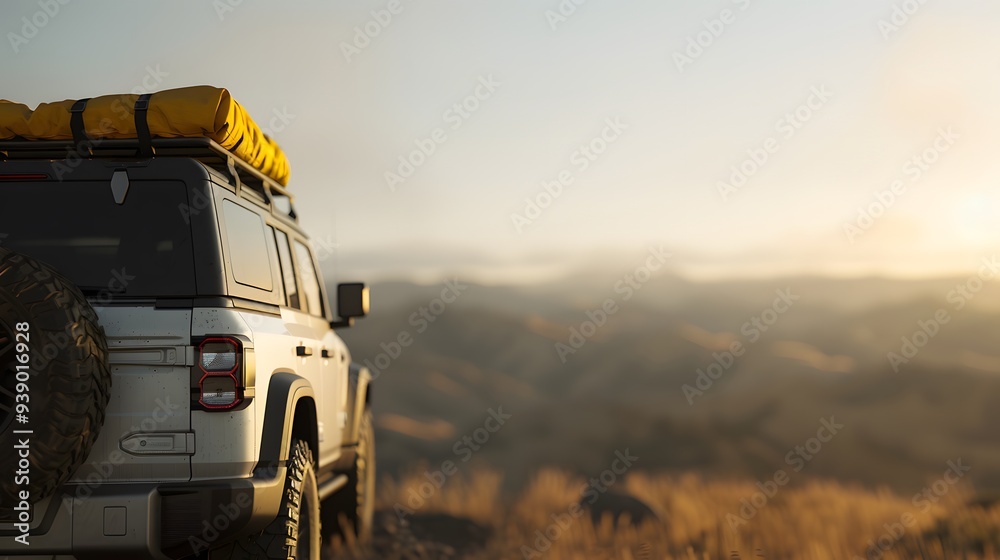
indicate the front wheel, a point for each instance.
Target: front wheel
{"x":352,"y":508}
{"x":295,"y":533}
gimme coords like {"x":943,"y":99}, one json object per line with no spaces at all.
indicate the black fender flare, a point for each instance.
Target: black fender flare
{"x":358,"y":398}
{"x":290,"y":412}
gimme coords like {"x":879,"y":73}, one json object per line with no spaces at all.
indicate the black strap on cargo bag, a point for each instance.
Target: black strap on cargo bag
{"x":80,"y":139}
{"x":142,"y":126}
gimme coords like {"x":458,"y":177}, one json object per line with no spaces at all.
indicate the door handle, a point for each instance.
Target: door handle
{"x":325,"y":353}
{"x":303,"y":351}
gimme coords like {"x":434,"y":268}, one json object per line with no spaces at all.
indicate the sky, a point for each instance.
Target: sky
{"x":642,"y":108}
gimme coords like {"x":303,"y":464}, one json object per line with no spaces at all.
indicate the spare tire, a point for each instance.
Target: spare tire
{"x":46,"y":320}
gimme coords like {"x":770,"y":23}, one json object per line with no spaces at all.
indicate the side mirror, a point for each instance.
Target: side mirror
{"x":352,"y":303}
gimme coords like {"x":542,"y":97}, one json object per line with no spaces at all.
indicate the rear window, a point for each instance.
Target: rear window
{"x":141,"y":248}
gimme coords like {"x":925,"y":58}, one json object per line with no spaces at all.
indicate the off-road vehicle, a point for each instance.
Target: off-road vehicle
{"x":172,"y":384}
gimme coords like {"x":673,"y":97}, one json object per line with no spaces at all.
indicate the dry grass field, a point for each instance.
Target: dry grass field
{"x":466,"y":518}
{"x":855,"y":499}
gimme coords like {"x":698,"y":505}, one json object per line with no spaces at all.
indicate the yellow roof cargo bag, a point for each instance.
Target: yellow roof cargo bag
{"x":192,"y":112}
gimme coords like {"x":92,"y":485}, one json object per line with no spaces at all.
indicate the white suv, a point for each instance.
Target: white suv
{"x":172,"y":385}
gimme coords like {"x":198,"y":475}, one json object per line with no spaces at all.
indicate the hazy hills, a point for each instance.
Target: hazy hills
{"x":824,"y":355}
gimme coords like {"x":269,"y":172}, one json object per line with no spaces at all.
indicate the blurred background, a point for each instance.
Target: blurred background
{"x":695,"y":231}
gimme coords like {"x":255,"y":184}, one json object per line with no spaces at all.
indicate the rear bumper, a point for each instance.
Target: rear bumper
{"x":146,"y":520}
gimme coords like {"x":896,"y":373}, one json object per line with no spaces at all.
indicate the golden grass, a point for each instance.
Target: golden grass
{"x":818,"y":520}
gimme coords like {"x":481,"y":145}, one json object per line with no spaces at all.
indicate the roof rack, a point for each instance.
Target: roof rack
{"x":204,"y":150}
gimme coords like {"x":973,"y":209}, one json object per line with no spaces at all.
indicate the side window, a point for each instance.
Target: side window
{"x":310,"y":283}
{"x":247,"y":246}
{"x":287,"y":271}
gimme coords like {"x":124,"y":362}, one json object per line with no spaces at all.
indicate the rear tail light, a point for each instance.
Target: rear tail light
{"x":220,"y":363}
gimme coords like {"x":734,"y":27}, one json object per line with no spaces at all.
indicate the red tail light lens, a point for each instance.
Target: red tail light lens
{"x":221,"y":364}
